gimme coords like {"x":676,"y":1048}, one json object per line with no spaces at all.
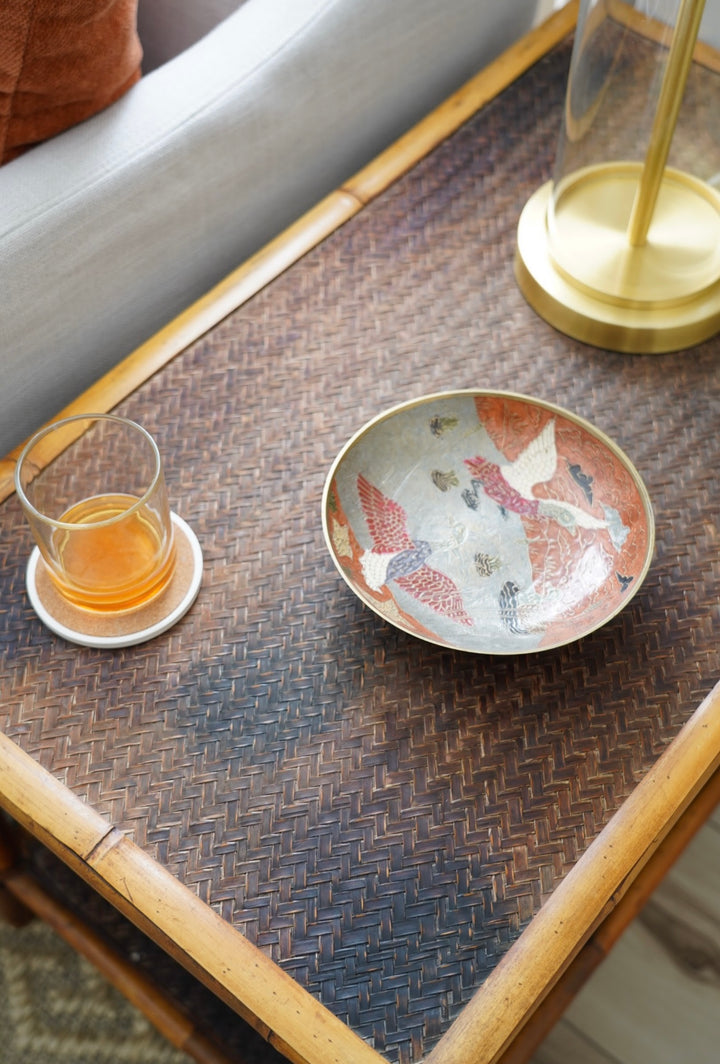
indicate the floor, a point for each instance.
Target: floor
{"x":545,"y":8}
{"x":656,"y":999}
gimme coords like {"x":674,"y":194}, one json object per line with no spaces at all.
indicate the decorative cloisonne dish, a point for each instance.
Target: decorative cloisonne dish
{"x":488,"y":522}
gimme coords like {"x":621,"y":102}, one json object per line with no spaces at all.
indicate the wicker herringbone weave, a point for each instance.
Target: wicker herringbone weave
{"x":380,"y":815}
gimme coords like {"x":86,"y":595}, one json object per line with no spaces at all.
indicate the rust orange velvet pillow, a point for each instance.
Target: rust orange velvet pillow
{"x":60,"y":62}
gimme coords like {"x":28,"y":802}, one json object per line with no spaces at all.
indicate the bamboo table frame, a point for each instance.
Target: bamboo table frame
{"x":288,"y":1016}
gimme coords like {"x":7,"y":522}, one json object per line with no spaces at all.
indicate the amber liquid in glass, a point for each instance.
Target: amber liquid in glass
{"x":117,"y":566}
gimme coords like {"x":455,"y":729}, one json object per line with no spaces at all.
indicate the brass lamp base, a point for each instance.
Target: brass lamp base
{"x":576,"y":268}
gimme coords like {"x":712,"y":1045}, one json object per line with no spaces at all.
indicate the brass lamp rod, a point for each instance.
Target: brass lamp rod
{"x":666,"y":115}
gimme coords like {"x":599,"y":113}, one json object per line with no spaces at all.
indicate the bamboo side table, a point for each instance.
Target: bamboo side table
{"x":372,"y":848}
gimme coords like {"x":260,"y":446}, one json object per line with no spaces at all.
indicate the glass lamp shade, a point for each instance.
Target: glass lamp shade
{"x":621,"y":248}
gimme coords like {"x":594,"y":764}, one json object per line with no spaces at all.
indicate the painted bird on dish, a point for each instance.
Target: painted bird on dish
{"x":511,"y":485}
{"x":395,"y":556}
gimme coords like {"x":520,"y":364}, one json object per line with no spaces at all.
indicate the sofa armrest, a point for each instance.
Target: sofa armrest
{"x":111,"y":229}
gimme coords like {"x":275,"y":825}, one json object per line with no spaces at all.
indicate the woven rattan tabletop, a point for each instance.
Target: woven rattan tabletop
{"x":380,"y":816}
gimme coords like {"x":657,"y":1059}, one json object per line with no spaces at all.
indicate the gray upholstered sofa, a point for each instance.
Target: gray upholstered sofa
{"x":115,"y":226}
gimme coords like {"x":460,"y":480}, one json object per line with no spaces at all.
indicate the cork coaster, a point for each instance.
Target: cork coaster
{"x":91,"y":629}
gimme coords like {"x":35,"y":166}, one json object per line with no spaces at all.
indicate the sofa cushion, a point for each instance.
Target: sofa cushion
{"x":60,"y":62}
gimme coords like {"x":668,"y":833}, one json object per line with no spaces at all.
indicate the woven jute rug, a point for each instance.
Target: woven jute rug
{"x":55,"y":1008}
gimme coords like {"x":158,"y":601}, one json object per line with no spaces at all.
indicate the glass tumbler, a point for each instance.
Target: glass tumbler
{"x":93,"y":491}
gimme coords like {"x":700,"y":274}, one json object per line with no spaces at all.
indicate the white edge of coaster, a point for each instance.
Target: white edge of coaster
{"x":129,"y":638}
